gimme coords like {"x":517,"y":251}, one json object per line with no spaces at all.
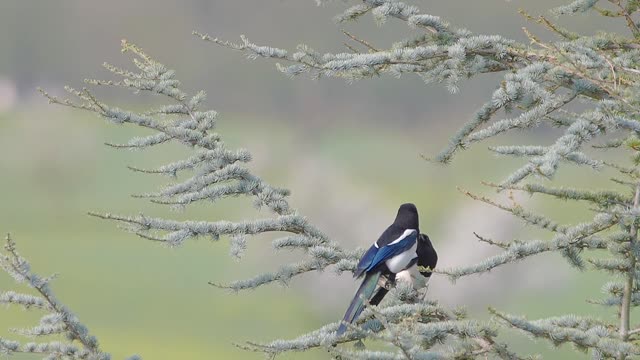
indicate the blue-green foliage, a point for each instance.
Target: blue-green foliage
{"x":213,"y":172}
{"x":541,"y":82}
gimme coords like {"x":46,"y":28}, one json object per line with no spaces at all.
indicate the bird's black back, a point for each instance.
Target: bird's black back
{"x":389,"y":235}
{"x":427,"y":256}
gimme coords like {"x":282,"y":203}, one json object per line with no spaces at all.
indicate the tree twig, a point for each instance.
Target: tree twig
{"x":625,"y":306}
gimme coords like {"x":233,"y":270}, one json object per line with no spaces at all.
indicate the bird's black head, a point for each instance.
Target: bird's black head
{"x":407,"y":217}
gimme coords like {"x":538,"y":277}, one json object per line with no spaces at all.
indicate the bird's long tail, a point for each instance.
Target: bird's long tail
{"x":379,"y":295}
{"x":363,"y":294}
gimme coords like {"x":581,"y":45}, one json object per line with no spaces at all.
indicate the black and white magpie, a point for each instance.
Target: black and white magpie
{"x":400,"y":247}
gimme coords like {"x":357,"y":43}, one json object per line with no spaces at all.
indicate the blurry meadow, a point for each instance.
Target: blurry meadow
{"x":350,"y":153}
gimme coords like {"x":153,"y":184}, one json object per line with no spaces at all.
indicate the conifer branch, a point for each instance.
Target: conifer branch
{"x":491,"y":242}
{"x":358,"y":40}
{"x":603,"y":198}
{"x":634,"y":332}
{"x":541,"y":80}
{"x":59,"y":320}
{"x":440,"y":58}
{"x":213,"y":171}
{"x":408,"y":325}
{"x":574,"y":238}
{"x":518,"y":211}
{"x":584,"y":333}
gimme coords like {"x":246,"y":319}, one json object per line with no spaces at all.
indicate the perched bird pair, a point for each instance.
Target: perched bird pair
{"x":399,"y":248}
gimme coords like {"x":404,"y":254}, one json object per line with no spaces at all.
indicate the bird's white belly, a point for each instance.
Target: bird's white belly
{"x":402,"y":260}
{"x":413,"y":277}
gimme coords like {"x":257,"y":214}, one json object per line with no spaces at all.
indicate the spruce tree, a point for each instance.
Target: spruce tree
{"x":582,"y":85}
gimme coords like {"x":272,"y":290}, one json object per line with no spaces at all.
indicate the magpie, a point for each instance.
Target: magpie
{"x":400,"y":247}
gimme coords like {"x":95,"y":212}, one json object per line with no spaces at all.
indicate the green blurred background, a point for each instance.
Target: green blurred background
{"x":339,"y":147}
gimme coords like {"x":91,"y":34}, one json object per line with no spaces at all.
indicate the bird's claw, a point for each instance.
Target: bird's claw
{"x":386,"y":283}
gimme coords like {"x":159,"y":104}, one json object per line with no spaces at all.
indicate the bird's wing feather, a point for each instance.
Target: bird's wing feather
{"x":365,"y":261}
{"x":391,"y":234}
{"x":394,"y":248}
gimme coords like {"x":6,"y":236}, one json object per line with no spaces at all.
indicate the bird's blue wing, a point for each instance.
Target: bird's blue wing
{"x":365,"y":261}
{"x":395,"y":248}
